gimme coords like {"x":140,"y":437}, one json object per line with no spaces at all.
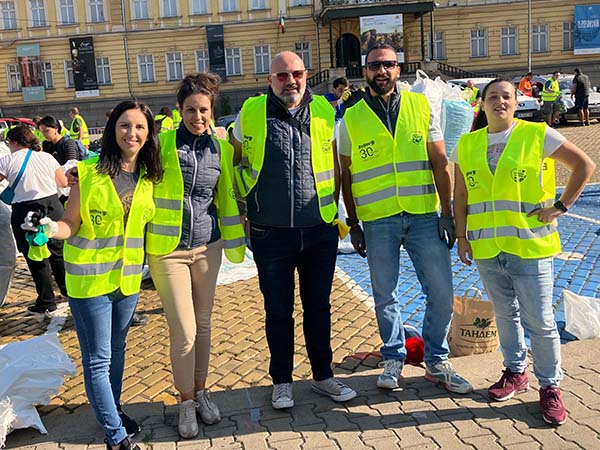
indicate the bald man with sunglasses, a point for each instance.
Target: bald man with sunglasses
{"x":395,"y":177}
{"x":289,"y":175}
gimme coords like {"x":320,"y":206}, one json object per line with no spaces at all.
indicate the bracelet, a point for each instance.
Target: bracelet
{"x":560,"y":206}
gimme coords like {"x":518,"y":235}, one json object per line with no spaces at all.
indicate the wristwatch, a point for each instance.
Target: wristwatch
{"x":560,"y":206}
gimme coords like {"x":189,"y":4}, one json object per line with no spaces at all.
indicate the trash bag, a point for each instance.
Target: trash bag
{"x":582,"y":315}
{"x":456,"y":120}
{"x":433,"y":90}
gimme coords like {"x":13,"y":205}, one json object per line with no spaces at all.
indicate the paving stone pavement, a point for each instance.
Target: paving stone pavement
{"x":420,"y":415}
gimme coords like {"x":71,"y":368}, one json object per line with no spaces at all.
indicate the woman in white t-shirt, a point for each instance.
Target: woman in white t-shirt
{"x":505,"y":212}
{"x":36,"y":190}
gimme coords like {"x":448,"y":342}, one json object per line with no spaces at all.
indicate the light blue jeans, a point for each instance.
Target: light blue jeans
{"x":102,"y":324}
{"x":521,"y":291}
{"x":418,"y":233}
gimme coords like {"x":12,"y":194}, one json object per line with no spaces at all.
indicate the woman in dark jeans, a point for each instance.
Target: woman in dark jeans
{"x":35,"y":191}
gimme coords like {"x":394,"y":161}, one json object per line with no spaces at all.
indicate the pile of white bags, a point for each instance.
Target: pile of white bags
{"x":32,"y":371}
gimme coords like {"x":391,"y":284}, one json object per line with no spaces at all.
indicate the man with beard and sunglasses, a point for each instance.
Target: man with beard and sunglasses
{"x":395,"y":176}
{"x":289,"y":175}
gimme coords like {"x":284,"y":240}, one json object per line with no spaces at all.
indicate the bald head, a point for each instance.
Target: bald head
{"x":288,"y":78}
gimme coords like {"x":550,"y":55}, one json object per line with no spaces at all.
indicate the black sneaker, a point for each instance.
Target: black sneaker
{"x":131,"y":426}
{"x":37,"y":309}
{"x":125,"y":444}
{"x":138,"y":320}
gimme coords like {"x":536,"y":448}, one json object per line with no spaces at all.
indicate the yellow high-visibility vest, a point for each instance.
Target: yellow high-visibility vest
{"x":83,"y":134}
{"x":548,"y":96}
{"x":391,"y":174}
{"x":498,"y":203}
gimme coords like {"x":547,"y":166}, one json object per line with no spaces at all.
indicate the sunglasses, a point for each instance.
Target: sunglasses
{"x":283,"y":76}
{"x":387,"y":65}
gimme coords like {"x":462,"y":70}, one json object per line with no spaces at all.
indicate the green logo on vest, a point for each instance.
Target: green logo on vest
{"x":416,"y":137}
{"x":96,"y":216}
{"x":246,"y":142}
{"x":519,"y":175}
{"x":366,"y":150}
{"x":471,"y":180}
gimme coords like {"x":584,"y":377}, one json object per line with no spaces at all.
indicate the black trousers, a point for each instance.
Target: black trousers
{"x":41,"y":271}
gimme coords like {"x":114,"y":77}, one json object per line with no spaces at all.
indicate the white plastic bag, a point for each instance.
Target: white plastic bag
{"x":433,"y":90}
{"x":582,"y":315}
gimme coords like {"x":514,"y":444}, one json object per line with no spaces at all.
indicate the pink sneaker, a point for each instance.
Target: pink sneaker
{"x":508,"y":386}
{"x":552,"y":405}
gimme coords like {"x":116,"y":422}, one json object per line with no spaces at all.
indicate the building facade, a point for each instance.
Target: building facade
{"x":142,"y":48}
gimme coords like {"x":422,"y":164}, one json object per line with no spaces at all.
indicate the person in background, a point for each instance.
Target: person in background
{"x":176,"y":115}
{"x":525,"y":84}
{"x":506,"y":223}
{"x":164,"y":119}
{"x":288,"y":175}
{"x":197,"y":218}
{"x":341,"y":92}
{"x":581,"y":92}
{"x":550,"y":97}
{"x":59,"y":146}
{"x":79,"y":129}
{"x":471,"y":93}
{"x":104,"y":225}
{"x":37,"y":132}
{"x":36,"y":190}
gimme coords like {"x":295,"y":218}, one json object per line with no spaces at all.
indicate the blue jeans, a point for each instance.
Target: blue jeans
{"x":521,"y":291}
{"x":418,"y":233}
{"x":102,"y":324}
{"x":278,"y":252}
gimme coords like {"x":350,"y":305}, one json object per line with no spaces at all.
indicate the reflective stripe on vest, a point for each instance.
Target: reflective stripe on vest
{"x":253,"y":124}
{"x":391,"y":174}
{"x":105,"y":255}
{"x":498,"y":204}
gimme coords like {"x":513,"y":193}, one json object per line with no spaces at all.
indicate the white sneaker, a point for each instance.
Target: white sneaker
{"x":390,"y":378}
{"x":188,"y":426}
{"x":209,"y":413}
{"x":282,"y":396}
{"x":335,"y":389}
{"x":443,"y":373}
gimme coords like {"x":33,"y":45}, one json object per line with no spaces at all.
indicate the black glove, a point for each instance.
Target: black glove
{"x":357,"y":237}
{"x":446,"y":230}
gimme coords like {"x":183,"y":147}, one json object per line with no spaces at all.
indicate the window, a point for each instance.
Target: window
{"x":302,"y":49}
{"x":140,"y":9}
{"x":233,"y":61}
{"x":568,"y":36}
{"x":478,"y":43}
{"x":229,"y":5}
{"x":262,"y":59}
{"x":14,"y":77}
{"x":146,"y":68}
{"x":69,"y":78}
{"x":202,"y":61}
{"x":169,"y":8}
{"x":38,"y":13}
{"x":258,"y":4}
{"x":199,"y":6}
{"x":438,"y":46}
{"x":96,"y":10}
{"x":47,"y":75}
{"x":9,"y":15}
{"x":103,"y":70}
{"x":300,"y":2}
{"x":66,"y":12}
{"x":174,"y":66}
{"x":540,"y":38}
{"x":508,"y":37}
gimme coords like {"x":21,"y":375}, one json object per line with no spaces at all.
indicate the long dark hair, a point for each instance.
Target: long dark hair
{"x":22,"y":135}
{"x":481,"y":120}
{"x":50,"y":122}
{"x":110,"y":152}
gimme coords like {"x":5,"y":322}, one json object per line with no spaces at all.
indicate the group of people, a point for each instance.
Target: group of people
{"x":282,"y":155}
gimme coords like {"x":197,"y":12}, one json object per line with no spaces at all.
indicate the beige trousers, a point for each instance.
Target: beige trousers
{"x":186,"y":281}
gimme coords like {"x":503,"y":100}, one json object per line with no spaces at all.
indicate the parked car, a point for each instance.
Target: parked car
{"x":224,"y":121}
{"x":7,"y":122}
{"x":566,"y":84}
{"x":528,"y":109}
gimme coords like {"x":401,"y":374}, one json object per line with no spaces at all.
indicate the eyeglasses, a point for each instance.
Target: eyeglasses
{"x":387,"y":65}
{"x":283,"y":76}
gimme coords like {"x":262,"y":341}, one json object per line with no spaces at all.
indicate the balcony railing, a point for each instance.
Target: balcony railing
{"x":318,"y":78}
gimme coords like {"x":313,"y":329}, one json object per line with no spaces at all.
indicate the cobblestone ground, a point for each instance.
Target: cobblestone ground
{"x":420,"y":415}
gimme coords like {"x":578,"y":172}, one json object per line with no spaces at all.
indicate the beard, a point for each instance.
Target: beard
{"x":381,"y":89}
{"x":290,"y":100}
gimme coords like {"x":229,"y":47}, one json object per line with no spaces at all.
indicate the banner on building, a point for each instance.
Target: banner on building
{"x":382,"y":29}
{"x":31,"y":69}
{"x":215,"y":36}
{"x":84,"y":67}
{"x":586,"y":40}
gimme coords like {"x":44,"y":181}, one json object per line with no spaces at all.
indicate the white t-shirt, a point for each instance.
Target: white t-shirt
{"x":38,"y":180}
{"x":497,"y":141}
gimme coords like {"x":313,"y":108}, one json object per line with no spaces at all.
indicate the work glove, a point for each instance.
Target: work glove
{"x":357,"y":237}
{"x":36,"y":222}
{"x":446,"y":230}
{"x":346,"y":95}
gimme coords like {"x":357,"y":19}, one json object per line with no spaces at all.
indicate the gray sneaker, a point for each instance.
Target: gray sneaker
{"x":209,"y":413}
{"x":390,"y":378}
{"x":282,"y":396}
{"x":188,"y":426}
{"x":335,"y":389}
{"x":443,"y":373}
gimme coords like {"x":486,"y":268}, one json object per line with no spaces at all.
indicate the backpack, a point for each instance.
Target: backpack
{"x":83,"y":153}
